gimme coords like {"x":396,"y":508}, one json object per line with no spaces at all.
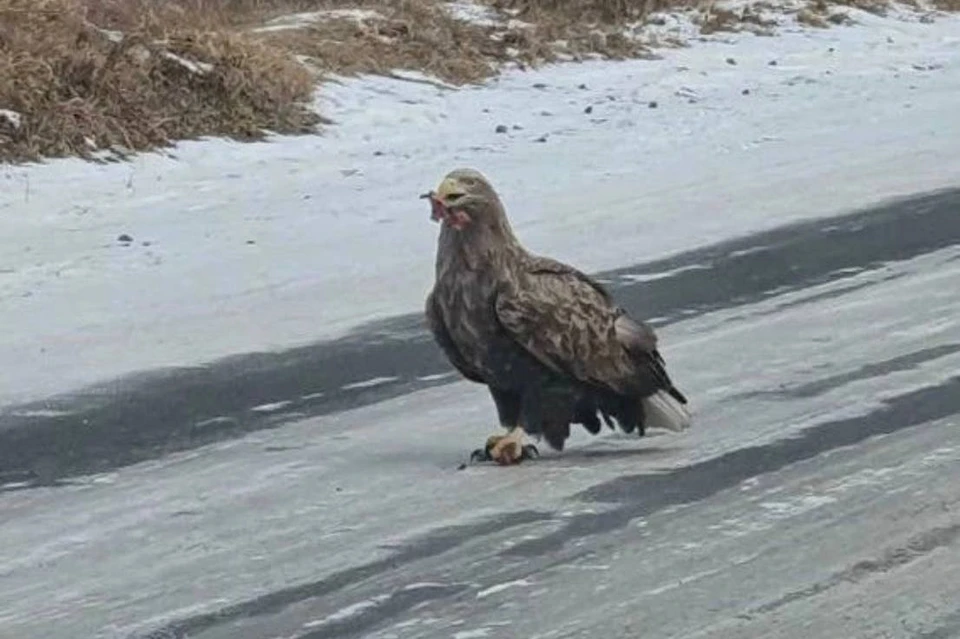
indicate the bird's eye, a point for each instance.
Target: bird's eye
{"x":453,"y":197}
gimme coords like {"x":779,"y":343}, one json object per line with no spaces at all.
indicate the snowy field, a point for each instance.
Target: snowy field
{"x":240,"y":247}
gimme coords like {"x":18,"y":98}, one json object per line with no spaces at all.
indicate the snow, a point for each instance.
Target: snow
{"x":271,"y":407}
{"x":197,"y":68}
{"x":252,"y":247}
{"x":369,"y":383}
{"x":12,"y":117}
{"x":498,"y":588}
{"x":472,"y":13}
{"x":305,"y":19}
{"x":348,"y":612}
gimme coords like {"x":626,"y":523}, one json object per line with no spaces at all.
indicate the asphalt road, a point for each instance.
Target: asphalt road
{"x":317,"y":493}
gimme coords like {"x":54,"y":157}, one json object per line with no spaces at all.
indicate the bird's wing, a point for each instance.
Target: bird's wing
{"x":636,"y":336}
{"x":538,"y":264}
{"x":568,"y":322}
{"x":443,"y":339}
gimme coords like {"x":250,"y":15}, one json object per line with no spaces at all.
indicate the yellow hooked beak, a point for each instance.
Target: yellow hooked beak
{"x":445,"y":202}
{"x":449,"y":188}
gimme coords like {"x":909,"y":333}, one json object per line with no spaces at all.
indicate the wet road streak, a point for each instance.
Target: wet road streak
{"x":146,"y":416}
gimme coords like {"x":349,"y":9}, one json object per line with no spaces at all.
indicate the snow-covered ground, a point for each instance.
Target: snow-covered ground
{"x":239,"y":247}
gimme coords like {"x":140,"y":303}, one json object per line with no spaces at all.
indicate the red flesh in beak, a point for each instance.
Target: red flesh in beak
{"x":439,"y":212}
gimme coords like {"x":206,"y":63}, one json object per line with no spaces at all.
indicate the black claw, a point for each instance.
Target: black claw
{"x":480,"y":455}
{"x":529,"y":452}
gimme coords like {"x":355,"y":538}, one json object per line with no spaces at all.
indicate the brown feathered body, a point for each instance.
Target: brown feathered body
{"x":547,"y":340}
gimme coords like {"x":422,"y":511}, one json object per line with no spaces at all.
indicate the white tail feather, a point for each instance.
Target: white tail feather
{"x":662,"y":410}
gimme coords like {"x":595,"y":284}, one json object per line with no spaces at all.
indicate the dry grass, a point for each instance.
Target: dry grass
{"x":423,"y":35}
{"x":823,"y":7}
{"x":90,"y":75}
{"x":408,"y":34}
{"x":721,"y":19}
{"x":593,"y":27}
{"x":83,"y":76}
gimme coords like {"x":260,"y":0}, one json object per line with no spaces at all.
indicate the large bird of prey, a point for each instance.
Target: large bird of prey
{"x":548,"y":341}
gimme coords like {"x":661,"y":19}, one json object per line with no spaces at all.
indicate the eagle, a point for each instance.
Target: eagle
{"x":548,"y":341}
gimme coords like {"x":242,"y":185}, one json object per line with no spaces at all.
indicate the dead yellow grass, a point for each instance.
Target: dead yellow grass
{"x":716,"y":19}
{"x":824,"y":7}
{"x":80,"y":76}
{"x":90,"y":75}
{"x":87,"y":76}
{"x":407,"y":34}
{"x":422,"y":35}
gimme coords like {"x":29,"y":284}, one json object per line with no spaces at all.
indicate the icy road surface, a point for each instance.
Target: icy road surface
{"x":815,"y":497}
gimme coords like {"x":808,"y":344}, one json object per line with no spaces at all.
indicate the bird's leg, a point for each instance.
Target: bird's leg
{"x":507,"y":449}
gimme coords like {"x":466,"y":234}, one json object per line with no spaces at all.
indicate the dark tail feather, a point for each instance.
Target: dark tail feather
{"x":677,"y":395}
{"x":659,"y":367}
{"x":556,"y":434}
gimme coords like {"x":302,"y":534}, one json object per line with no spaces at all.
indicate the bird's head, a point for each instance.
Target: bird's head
{"x":464,"y":199}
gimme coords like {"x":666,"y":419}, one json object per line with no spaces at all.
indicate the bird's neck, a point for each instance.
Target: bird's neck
{"x":482,"y":248}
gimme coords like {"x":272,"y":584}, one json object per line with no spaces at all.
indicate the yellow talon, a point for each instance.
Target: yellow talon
{"x":506,"y":449}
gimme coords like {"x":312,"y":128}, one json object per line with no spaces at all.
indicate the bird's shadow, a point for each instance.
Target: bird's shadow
{"x":616,"y":447}
{"x":571,"y":456}
{"x":577,"y":454}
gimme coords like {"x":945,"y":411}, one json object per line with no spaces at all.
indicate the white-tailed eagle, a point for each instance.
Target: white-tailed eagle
{"x":548,"y":341}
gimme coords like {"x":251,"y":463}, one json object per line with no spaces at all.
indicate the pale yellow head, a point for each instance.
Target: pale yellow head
{"x":465,"y":198}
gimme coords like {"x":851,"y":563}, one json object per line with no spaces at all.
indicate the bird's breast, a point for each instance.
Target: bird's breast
{"x":466,"y":301}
